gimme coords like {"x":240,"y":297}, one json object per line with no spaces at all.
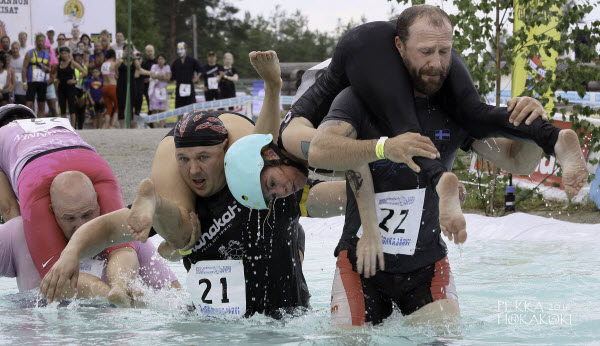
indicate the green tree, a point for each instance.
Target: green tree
{"x":144,"y":28}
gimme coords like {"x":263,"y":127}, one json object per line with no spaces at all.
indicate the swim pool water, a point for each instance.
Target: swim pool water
{"x":520,"y":279}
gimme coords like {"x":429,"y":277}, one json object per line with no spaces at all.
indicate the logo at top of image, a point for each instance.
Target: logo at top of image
{"x":74,"y":10}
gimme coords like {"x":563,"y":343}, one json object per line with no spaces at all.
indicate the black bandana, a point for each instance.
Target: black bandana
{"x":199,"y":129}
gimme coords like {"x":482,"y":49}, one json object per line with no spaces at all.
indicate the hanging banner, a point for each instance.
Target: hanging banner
{"x":33,"y":16}
{"x":541,"y":63}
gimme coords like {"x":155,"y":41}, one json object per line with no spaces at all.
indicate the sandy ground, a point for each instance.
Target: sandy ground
{"x":130,"y":152}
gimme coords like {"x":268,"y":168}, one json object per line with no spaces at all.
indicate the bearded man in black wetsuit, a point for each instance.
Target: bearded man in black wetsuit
{"x":407,"y":226}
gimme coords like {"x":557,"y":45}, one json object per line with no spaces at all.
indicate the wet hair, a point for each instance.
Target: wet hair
{"x":434,"y":15}
{"x":110,"y":53}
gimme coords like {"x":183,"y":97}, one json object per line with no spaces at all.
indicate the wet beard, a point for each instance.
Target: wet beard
{"x":428,"y":88}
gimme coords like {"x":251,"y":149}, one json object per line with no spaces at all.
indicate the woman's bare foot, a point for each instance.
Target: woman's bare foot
{"x":569,"y":155}
{"x":452,"y":220}
{"x":142,"y":211}
{"x":267,"y":66}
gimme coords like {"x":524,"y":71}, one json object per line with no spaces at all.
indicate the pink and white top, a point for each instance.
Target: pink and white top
{"x":22,"y":139}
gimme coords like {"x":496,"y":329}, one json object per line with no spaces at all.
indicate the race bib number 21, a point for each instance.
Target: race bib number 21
{"x":218,"y":287}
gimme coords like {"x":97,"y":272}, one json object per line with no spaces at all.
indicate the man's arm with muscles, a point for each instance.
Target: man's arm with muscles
{"x":267,"y":66}
{"x":91,"y":238}
{"x":369,"y":249}
{"x":335,"y":147}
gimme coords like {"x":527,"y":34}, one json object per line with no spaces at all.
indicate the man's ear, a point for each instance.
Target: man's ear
{"x":399,"y":46}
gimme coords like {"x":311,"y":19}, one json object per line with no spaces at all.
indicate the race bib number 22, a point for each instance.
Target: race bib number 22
{"x":399,"y":218}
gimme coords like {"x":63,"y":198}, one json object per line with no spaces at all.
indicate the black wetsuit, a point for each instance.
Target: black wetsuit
{"x":447,"y":136}
{"x":268,"y":247}
{"x":367,"y":58}
{"x":267,"y":243}
{"x":409,"y":226}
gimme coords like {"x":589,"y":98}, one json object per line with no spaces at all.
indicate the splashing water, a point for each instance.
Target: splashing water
{"x":505,"y":265}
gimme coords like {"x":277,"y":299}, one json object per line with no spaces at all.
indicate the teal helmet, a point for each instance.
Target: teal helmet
{"x":243,"y":164}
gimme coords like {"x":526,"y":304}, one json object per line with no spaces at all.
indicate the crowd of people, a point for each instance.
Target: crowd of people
{"x":226,"y":194}
{"x":89,"y":78}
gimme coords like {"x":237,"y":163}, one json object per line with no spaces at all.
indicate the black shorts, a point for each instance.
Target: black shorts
{"x":99,"y":107}
{"x":184,"y":101}
{"x":36,"y":88}
{"x":210,"y":95}
{"x":356,"y":300}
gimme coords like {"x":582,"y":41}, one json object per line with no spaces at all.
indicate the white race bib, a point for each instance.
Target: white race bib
{"x":105,"y":68}
{"x":399,"y":216}
{"x":213,"y":84}
{"x":185,"y":90}
{"x":44,"y":124}
{"x":18,"y":78}
{"x":119,"y":53}
{"x":38,"y":75}
{"x":91,"y":266}
{"x":160,"y":93}
{"x":218,"y":287}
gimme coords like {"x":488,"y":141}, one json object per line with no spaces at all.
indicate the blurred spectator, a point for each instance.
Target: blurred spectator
{"x":185,"y":71}
{"x":119,"y":44}
{"x":51,"y":89}
{"x":147,"y":63}
{"x":230,"y":76}
{"x":140,"y":75}
{"x":213,"y":73}
{"x":98,"y":56}
{"x":104,"y":39}
{"x":5,"y":41}
{"x":7,"y":80}
{"x":122,"y":67}
{"x":35,"y":74}
{"x":66,"y":83}
{"x":74,"y":38}
{"x":61,"y":40}
{"x":16,"y":64}
{"x":25,"y":47}
{"x":85,"y":39}
{"x":160,"y":74}
{"x":94,"y":94}
{"x":50,"y":36}
{"x":80,"y":96}
{"x":109,"y":88}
